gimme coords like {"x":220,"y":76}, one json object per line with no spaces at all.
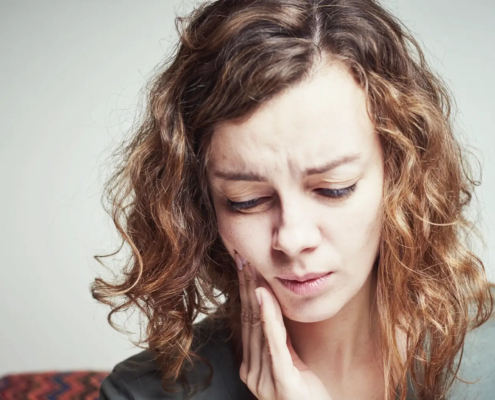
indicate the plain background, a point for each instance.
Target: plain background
{"x":70,"y":79}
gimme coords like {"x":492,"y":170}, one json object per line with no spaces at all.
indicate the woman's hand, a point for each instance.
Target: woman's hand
{"x":270,"y":367}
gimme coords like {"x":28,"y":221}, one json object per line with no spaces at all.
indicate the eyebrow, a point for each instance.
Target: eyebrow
{"x":251,"y":176}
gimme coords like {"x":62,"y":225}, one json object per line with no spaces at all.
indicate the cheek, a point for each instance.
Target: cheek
{"x":365,"y":220}
{"x":231,"y":231}
{"x":228,"y":231}
{"x":356,"y":230}
{"x":246,"y":234}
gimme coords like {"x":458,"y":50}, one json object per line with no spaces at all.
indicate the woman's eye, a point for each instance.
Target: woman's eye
{"x":331,"y":193}
{"x":338,"y":193}
{"x":243,"y":205}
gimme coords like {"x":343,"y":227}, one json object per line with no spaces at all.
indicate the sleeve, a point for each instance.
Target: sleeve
{"x":114,"y":388}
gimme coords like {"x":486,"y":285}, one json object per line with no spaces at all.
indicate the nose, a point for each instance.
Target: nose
{"x":296,"y":229}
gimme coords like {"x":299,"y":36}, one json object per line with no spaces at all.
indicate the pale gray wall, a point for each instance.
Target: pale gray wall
{"x":70,"y":73}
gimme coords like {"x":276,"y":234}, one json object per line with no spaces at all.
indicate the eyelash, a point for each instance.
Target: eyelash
{"x":247,"y":205}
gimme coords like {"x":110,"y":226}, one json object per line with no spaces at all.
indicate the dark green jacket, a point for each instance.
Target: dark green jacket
{"x":138,"y":377}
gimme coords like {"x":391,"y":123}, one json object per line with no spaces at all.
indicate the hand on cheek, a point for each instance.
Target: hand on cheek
{"x":270,"y":367}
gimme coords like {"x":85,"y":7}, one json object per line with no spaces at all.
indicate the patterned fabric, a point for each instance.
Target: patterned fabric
{"x":78,"y":385}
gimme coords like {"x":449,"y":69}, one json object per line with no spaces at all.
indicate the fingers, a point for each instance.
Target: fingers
{"x":256,"y":333}
{"x":266,"y":379}
{"x":245,"y":318}
{"x":266,"y":362}
{"x":264,"y":337}
{"x":252,"y":331}
{"x":275,"y":336}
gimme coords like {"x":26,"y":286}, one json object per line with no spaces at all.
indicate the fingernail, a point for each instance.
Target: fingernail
{"x":258,"y":296}
{"x":238,"y":261}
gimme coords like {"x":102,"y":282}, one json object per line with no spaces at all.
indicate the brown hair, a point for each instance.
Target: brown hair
{"x":234,"y":55}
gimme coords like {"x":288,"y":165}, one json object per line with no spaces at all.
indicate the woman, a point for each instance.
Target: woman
{"x":298,"y":158}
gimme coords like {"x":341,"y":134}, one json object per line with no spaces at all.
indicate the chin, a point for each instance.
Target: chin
{"x":307,"y":318}
{"x":308,"y":312}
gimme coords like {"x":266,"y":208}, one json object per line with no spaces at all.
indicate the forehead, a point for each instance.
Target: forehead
{"x":321,"y":118}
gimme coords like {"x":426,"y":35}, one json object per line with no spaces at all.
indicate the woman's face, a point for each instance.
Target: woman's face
{"x":297,"y":189}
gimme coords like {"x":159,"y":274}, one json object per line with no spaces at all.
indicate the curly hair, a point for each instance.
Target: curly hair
{"x":234,"y":55}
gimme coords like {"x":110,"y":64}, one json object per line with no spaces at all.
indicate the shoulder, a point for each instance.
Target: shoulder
{"x":477,"y":364}
{"x":139,"y":377}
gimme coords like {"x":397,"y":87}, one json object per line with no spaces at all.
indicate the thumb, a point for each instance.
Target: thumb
{"x":275,"y":333}
{"x":277,"y":312}
{"x":273,"y":312}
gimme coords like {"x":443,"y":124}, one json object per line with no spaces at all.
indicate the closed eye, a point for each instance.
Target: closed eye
{"x":338,"y":194}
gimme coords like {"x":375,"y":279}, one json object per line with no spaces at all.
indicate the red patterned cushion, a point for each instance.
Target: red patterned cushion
{"x":77,"y":385}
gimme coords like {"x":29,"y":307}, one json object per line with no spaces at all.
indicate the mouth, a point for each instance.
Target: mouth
{"x":307,"y":287}
{"x":303,"y":278}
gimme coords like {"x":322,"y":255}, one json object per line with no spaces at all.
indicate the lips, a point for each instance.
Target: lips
{"x":308,"y":287}
{"x":303,"y":278}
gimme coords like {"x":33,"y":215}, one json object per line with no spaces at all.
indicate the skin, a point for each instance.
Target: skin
{"x":296,"y":226}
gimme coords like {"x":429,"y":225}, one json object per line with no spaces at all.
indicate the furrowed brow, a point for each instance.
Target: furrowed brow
{"x":254,"y":177}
